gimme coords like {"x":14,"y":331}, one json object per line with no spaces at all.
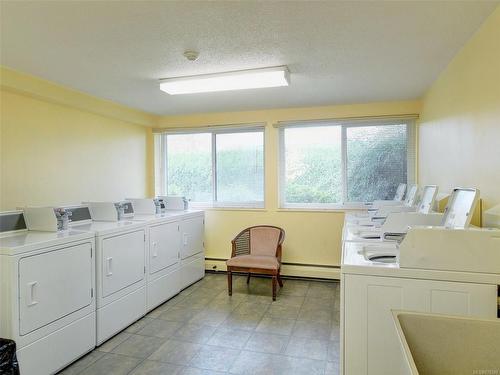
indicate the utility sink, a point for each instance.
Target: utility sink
{"x":447,"y":345}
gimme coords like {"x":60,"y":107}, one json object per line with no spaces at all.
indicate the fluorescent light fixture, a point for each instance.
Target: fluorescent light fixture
{"x":239,"y":80}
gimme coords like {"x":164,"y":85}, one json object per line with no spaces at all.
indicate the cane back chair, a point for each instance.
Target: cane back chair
{"x":257,"y":250}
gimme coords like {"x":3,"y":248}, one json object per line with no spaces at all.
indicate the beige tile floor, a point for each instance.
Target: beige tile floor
{"x":203,"y":331}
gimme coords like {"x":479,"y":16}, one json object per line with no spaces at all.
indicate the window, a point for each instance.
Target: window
{"x":223,"y":168}
{"x":328,"y":164}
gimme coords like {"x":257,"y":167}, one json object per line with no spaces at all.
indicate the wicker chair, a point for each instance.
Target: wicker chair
{"x":257,"y":250}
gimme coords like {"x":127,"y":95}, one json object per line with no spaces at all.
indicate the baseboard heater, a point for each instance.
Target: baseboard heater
{"x":288,"y":269}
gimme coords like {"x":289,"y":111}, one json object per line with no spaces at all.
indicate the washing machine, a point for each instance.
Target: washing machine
{"x":395,"y":219}
{"x":448,"y":269}
{"x":47,"y":292}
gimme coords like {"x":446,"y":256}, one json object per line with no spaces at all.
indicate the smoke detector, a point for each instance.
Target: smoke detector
{"x":191,"y":55}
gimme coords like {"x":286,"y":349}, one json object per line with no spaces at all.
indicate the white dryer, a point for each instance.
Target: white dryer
{"x":162,"y":257}
{"x":120,"y":269}
{"x":176,"y":256}
{"x":192,"y":228}
{"x":47,"y":294}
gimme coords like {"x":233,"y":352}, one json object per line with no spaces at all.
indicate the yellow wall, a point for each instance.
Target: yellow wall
{"x":61,"y":146}
{"x":459,"y":132}
{"x":312,"y":237}
{"x":58,"y":146}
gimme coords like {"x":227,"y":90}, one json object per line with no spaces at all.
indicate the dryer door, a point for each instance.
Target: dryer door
{"x":53,"y":284}
{"x":164,"y":243}
{"x":192,"y":231}
{"x":122,"y":261}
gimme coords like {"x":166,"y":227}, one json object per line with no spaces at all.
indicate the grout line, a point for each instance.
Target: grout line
{"x":84,"y":367}
{"x":233,"y":308}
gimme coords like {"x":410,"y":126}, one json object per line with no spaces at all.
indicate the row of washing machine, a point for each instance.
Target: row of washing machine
{"x":399,"y":255}
{"x":65,"y":291}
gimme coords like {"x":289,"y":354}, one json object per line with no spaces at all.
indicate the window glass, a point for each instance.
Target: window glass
{"x":240,"y":167}
{"x":216,"y":168}
{"x":189,"y":166}
{"x":376,"y":161}
{"x":312,"y":164}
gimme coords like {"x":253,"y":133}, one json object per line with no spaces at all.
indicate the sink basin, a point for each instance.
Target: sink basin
{"x":440,"y":345}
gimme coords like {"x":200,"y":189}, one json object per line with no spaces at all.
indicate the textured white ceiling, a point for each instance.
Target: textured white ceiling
{"x":337,"y":52}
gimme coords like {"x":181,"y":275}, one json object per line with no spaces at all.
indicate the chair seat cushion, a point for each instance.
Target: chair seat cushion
{"x":254,"y":261}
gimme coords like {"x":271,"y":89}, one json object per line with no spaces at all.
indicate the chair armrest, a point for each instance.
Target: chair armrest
{"x":278,"y":253}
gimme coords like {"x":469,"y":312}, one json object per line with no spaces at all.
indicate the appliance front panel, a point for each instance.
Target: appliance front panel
{"x":192,"y":231}
{"x":53,"y":285}
{"x":192,"y":270}
{"x":122,"y":261}
{"x":164,"y":243}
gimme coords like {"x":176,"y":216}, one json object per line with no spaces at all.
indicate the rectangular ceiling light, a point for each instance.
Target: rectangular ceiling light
{"x":239,"y":80}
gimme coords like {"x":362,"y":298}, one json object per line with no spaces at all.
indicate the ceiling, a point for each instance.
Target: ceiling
{"x":337,"y":52}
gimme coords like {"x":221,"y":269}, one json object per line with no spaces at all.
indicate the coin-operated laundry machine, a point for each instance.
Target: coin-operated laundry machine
{"x":120,"y":264}
{"x":447,"y":269}
{"x":176,"y":256}
{"x":191,"y":228}
{"x":378,"y":210}
{"x":47,"y":289}
{"x":368,"y":208}
{"x":395,"y":220}
{"x":397,"y":200}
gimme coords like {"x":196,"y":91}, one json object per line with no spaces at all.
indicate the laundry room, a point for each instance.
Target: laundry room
{"x":249,"y":187}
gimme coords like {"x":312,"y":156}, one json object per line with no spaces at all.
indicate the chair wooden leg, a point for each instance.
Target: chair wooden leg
{"x":274,"y":287}
{"x":279,"y":280}
{"x":248,"y":278}
{"x":229,"y":282}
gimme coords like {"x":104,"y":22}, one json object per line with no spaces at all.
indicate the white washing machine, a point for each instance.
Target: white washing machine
{"x":47,"y":294}
{"x":394,"y":219}
{"x":448,"y":269}
{"x":120,"y":269}
{"x":372,"y":289}
{"x":368,"y":209}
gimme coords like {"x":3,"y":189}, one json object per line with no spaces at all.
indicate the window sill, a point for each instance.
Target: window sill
{"x":228,"y":207}
{"x":251,"y":209}
{"x":332,"y":208}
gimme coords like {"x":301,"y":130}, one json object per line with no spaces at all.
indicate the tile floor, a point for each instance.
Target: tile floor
{"x":202,"y":331}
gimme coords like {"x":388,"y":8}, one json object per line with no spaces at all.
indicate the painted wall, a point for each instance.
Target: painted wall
{"x":59,"y":146}
{"x":313,"y":237}
{"x":459,"y":132}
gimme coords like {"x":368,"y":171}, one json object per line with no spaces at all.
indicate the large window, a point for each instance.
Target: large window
{"x":216,"y":167}
{"x":330,"y":164}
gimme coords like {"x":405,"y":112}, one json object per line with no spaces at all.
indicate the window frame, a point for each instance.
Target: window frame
{"x":344,"y":125}
{"x":213,"y":131}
